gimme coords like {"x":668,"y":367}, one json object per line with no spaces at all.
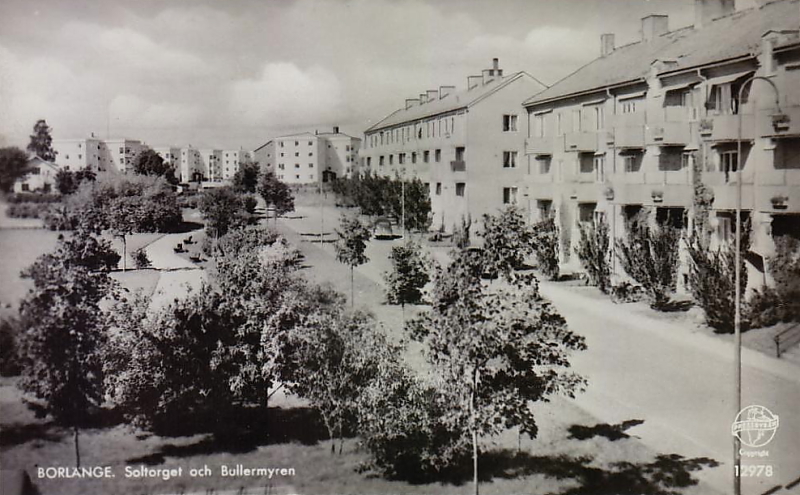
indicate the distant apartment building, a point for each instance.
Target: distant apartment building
{"x":466,"y":145}
{"x":301,"y":158}
{"x":190,"y":165}
{"x":171,"y":156}
{"x":232,"y":160}
{"x":639,"y":127}
{"x":211,"y":164}
{"x":100,"y":155}
{"x":121,"y":154}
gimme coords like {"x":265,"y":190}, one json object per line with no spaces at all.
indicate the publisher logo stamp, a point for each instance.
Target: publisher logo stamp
{"x":755,"y":426}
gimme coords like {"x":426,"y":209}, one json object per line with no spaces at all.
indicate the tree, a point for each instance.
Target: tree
{"x":408,"y":276}
{"x":593,"y":251}
{"x":276,"y":194}
{"x":507,"y":241}
{"x":223,"y":210}
{"x":67,"y":182}
{"x":150,"y":163}
{"x":351,"y":246}
{"x":495,"y":352}
{"x":13,"y":165}
{"x":246,"y":179}
{"x":650,"y":256}
{"x":65,"y":329}
{"x":122,"y":217}
{"x":41,"y":141}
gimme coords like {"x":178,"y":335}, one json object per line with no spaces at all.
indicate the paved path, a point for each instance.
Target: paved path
{"x":178,"y":275}
{"x":681,"y":384}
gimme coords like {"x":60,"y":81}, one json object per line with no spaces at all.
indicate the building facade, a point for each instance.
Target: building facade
{"x":467,"y":145}
{"x":100,"y":155}
{"x":650,"y":125}
{"x":340,"y":154}
{"x":41,"y":176}
{"x":211,"y":164}
{"x":232,"y":160}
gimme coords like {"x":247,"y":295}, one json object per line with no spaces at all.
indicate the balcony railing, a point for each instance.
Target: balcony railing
{"x":539,"y":146}
{"x":458,"y":166}
{"x":669,"y":133}
{"x":580,"y":141}
{"x":726,"y":127}
{"x":629,"y":136}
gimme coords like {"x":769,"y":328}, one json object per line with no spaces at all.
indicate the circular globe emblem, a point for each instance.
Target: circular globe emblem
{"x":755,"y":426}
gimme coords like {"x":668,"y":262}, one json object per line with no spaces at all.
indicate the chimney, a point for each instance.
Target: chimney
{"x":495,"y":64}
{"x":487,"y":75}
{"x":336,"y":129}
{"x":606,"y":44}
{"x":474,"y":81}
{"x":706,"y":11}
{"x":654,"y":26}
{"x":411,"y":102}
{"x":432,"y":94}
{"x":423,"y":98}
{"x":445,"y":90}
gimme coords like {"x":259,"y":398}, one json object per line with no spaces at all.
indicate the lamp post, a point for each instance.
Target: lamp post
{"x":737,"y":322}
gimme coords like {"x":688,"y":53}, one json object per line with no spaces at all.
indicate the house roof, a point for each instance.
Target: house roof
{"x":451,"y":102}
{"x":730,"y":37}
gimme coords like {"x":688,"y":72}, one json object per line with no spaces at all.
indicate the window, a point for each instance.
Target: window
{"x":36,"y":171}
{"x":401,"y":158}
{"x":310,"y":143}
{"x":438,"y":188}
{"x":296,"y":165}
{"x":586,"y":163}
{"x":461,"y":188}
{"x":311,"y":154}
{"x":80,"y":157}
{"x":297,"y":143}
{"x":509,"y":123}
{"x":66,"y":157}
{"x":426,"y":156}
{"x":633,"y":162}
{"x":509,"y":195}
{"x":281,"y":144}
{"x":297,"y":176}
{"x":559,"y":126}
{"x":672,"y":159}
{"x":296,"y":153}
{"x":413,"y":157}
{"x":544,"y":163}
{"x":369,"y":161}
{"x":672,"y":217}
{"x":121,"y":150}
{"x":540,"y":125}
{"x":25,"y":187}
{"x":79,"y":145}
{"x":629,"y":106}
{"x":600,"y":168}
{"x":586,"y":212}
{"x":310,"y":165}
{"x":460,"y":153}
{"x":599,"y":117}
{"x":545,"y":207}
{"x":576,"y":120}
{"x":728,"y":162}
{"x":509,"y":159}
{"x":437,"y":156}
{"x":391,"y":159}
{"x":380,"y":160}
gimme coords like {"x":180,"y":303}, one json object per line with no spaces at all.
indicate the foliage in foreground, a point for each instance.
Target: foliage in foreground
{"x":545,"y":247}
{"x":408,"y":276}
{"x":781,"y":301}
{"x":507,"y":241}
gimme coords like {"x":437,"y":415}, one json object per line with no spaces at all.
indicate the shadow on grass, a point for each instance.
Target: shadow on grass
{"x":185,"y":227}
{"x":16,"y":433}
{"x":246,"y":432}
{"x":663,"y":476}
{"x":677,"y":306}
{"x":611,"y":432}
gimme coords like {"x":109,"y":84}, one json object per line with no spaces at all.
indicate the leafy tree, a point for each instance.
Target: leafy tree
{"x":712,"y":278}
{"x":223,"y":210}
{"x":461,"y":234}
{"x":10,"y":328}
{"x":65,"y":182}
{"x":334,"y":358}
{"x":150,"y":163}
{"x":65,"y":329}
{"x":13,"y":165}
{"x":593,"y":251}
{"x":781,"y":301}
{"x":408,"y":276}
{"x":493,"y":353}
{"x":276,"y":194}
{"x":122,"y":218}
{"x":41,"y":141}
{"x":545,"y":246}
{"x":351,"y":246}
{"x":650,"y":256}
{"x":507,"y":241}
{"x":246,"y":179}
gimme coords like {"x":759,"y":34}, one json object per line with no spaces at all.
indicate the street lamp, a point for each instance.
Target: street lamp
{"x":737,"y":322}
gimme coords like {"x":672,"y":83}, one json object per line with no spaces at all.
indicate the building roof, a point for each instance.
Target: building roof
{"x":337,"y":134}
{"x":451,"y":102}
{"x":730,"y":37}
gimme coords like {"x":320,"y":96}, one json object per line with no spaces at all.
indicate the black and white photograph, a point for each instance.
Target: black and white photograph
{"x":334,"y":247}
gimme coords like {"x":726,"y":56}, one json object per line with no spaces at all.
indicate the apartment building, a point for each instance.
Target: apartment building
{"x":264,"y":156}
{"x":466,"y":145}
{"x":76,"y":154}
{"x":190,"y":165}
{"x":211,"y":164}
{"x":232,"y":160}
{"x":170,"y":155}
{"x":340,"y":154}
{"x":121,"y":154}
{"x":639,"y":126}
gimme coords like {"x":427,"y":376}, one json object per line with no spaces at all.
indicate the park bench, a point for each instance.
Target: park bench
{"x":787,"y":338}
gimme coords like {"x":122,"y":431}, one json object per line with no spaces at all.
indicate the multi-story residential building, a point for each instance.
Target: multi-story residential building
{"x":100,"y":155}
{"x":340,"y":154}
{"x":211,"y":164}
{"x":171,"y":156}
{"x":299,"y":158}
{"x":232,"y":160}
{"x":191,"y":165}
{"x":466,"y":145}
{"x":639,"y":127}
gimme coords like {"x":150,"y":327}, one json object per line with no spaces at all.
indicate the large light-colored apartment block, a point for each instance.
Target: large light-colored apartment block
{"x":466,"y":145}
{"x":191,"y":165}
{"x":100,"y":155}
{"x":639,"y":127}
{"x":211,"y":164}
{"x":171,"y":156}
{"x":301,"y":158}
{"x":232,"y":160}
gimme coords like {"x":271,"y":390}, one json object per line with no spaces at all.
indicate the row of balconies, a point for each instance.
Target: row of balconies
{"x":671,"y":133}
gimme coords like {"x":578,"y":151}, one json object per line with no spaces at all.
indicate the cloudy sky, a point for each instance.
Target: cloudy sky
{"x":235,"y":73}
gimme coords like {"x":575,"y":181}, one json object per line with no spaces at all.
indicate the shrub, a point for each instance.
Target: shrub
{"x":461,"y":237}
{"x":27,"y":210}
{"x":140,"y":259}
{"x":33,"y":197}
{"x":593,"y":252}
{"x":712,"y":280}
{"x":408,"y":276}
{"x":545,"y":246}
{"x":60,"y":217}
{"x":781,"y":302}
{"x":9,"y":360}
{"x":650,"y":257}
{"x":189,"y":202}
{"x":627,"y":293}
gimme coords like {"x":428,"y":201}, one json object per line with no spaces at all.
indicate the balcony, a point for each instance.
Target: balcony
{"x":539,"y":146}
{"x":458,"y":166}
{"x":580,"y":141}
{"x":668,"y":133}
{"x":629,"y":136}
{"x":726,"y":127}
{"x":770,"y":125}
